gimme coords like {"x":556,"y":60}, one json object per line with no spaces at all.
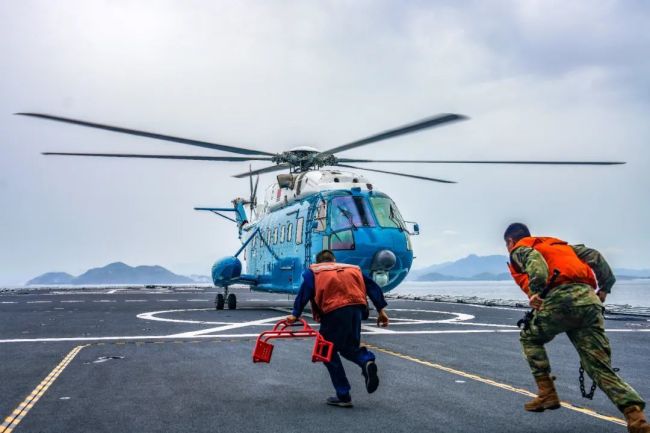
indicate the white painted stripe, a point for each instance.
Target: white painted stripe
{"x":73,"y":301}
{"x":8,"y":302}
{"x":229,"y":327}
{"x":135,"y":300}
{"x":127,"y":338}
{"x":104,"y":300}
{"x":167,"y":300}
{"x":38,"y":302}
{"x":199,"y":300}
{"x":218,"y":336}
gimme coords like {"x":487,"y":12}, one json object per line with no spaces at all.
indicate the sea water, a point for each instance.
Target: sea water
{"x":635,"y":293}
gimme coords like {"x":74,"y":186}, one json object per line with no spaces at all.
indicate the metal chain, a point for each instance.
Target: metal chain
{"x":592,"y":390}
{"x":581,"y":379}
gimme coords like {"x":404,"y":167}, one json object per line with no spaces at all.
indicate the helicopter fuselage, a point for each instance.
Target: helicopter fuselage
{"x":314,"y":211}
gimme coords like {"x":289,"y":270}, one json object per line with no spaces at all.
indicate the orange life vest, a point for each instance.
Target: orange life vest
{"x":337,"y":285}
{"x":558,"y":255}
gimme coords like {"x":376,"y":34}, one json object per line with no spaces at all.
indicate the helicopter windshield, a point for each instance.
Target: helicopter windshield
{"x":386,"y":212}
{"x":346,"y":212}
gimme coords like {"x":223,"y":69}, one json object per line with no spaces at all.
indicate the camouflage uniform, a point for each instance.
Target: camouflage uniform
{"x":576,"y":310}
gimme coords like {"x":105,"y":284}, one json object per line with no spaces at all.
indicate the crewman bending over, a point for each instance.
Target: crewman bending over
{"x":572,"y":306}
{"x":337,"y":292}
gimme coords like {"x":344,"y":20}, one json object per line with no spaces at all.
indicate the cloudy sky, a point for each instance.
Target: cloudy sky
{"x":539,"y":79}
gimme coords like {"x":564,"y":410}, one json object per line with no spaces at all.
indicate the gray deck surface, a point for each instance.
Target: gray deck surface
{"x":191,"y":369}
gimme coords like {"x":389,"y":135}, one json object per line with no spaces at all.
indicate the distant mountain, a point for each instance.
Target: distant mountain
{"x":52,"y":278}
{"x":490,"y":268}
{"x":202,"y":279}
{"x":632,"y":273}
{"x":468,"y":268}
{"x":115,"y":273}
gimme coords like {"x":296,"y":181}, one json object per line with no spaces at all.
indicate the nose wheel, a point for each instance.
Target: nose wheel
{"x":221,"y":300}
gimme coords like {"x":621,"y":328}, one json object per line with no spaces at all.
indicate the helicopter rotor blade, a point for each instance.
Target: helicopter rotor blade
{"x":414,"y":176}
{"x":257,"y":182}
{"x":187,"y":157}
{"x":429,"y":122}
{"x":250,"y":179}
{"x":215,"y":146}
{"x":413,"y":161}
{"x":270,"y":169}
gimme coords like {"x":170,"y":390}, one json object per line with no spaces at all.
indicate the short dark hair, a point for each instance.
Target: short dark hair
{"x":516,"y":231}
{"x":325,"y":256}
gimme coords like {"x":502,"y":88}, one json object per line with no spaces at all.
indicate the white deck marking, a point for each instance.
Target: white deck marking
{"x":229,"y":327}
{"x":167,"y":300}
{"x":8,"y":302}
{"x":38,"y":302}
{"x":199,"y":300}
{"x":249,"y":335}
{"x":152,"y":316}
{"x":104,"y":300}
{"x":73,"y":301}
{"x":135,"y":300}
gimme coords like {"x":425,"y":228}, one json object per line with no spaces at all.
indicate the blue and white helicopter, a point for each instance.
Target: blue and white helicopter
{"x":310,"y":209}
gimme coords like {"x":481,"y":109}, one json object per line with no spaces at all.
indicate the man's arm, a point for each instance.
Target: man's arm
{"x":532,"y":263}
{"x":305,"y":294}
{"x":377,"y":298}
{"x":597,"y":263}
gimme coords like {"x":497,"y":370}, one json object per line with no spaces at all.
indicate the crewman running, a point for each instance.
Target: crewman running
{"x":572,"y":306}
{"x":338,"y":293}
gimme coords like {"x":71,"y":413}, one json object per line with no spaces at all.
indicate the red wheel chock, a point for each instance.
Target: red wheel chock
{"x":322,"y":352}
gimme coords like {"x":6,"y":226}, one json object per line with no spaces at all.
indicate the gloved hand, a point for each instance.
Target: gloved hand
{"x":602,"y":295}
{"x":382,"y":319}
{"x":291,"y":319}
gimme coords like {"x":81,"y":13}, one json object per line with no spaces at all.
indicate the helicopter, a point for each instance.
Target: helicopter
{"x":312,"y":206}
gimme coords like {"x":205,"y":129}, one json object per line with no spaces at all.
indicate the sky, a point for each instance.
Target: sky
{"x":538,"y":79}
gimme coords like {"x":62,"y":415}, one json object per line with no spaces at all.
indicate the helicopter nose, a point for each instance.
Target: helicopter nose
{"x":384,"y":260}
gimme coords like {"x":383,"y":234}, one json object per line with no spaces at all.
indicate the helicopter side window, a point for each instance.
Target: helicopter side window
{"x":386,"y":212}
{"x":275,"y":235}
{"x":282,"y":232}
{"x":347,"y":212}
{"x":289,"y":232}
{"x":268,"y":236}
{"x":321,"y":216}
{"x":299,"y":225}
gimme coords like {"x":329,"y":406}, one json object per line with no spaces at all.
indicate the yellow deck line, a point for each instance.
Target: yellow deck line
{"x":23,"y":408}
{"x":491,"y":382}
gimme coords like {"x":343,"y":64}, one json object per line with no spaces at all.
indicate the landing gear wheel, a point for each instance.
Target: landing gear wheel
{"x":219,"y":301}
{"x":232,"y":301}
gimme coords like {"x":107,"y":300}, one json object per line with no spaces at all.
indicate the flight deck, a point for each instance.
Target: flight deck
{"x":163,"y":359}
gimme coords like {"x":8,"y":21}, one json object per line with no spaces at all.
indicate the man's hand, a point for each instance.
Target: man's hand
{"x":602,"y":295}
{"x":291,"y":319}
{"x":536,"y":302}
{"x":382,"y":318}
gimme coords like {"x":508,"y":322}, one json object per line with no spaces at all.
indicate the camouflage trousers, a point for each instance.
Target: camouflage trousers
{"x":585,"y":328}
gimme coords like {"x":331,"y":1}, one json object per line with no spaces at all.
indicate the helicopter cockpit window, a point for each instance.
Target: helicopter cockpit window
{"x":387,"y":213}
{"x":342,"y":240}
{"x":321,"y":216}
{"x":346,"y":212}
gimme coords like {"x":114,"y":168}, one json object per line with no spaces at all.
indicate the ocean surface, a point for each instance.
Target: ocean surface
{"x":635,"y":293}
